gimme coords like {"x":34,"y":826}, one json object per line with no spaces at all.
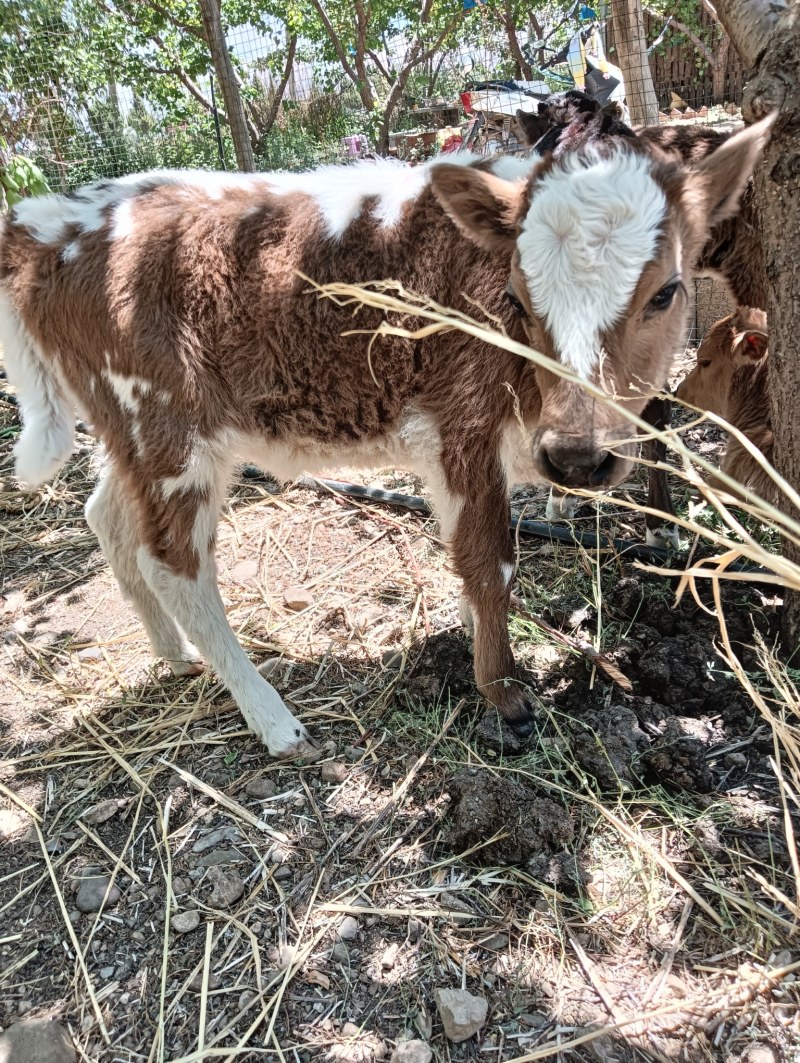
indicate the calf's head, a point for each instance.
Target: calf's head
{"x":734,"y":342}
{"x":601,"y":244}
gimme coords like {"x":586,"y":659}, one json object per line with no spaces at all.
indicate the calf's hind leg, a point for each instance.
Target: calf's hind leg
{"x":112,"y":516}
{"x":179,"y":518}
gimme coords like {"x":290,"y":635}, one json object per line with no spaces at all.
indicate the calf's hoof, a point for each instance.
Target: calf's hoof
{"x":524,"y":722}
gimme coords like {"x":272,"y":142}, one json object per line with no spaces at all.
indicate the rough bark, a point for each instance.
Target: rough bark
{"x":523,"y":65}
{"x":633,"y":62}
{"x":769,"y":35}
{"x":226,"y":75}
{"x":749,"y":24}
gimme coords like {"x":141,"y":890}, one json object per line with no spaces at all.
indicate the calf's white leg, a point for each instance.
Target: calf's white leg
{"x":197,"y":605}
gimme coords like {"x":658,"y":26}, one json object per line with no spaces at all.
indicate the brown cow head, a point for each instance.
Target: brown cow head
{"x":738,"y":340}
{"x":601,"y":245}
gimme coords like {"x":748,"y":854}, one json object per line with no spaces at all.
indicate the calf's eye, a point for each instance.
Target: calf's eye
{"x":704,"y":363}
{"x":516,"y":304}
{"x":661,"y":300}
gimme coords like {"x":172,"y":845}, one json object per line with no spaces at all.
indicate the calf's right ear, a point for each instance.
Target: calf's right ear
{"x":483,"y":206}
{"x":724,"y":174}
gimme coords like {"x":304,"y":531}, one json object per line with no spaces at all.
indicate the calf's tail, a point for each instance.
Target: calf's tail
{"x":47,"y":414}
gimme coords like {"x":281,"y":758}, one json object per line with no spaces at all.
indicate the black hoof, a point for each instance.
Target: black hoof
{"x":524,"y":723}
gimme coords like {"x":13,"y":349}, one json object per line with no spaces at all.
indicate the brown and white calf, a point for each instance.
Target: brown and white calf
{"x":730,"y":379}
{"x":168,"y":310}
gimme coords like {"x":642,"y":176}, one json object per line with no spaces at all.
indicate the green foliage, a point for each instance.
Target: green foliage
{"x":19,"y":177}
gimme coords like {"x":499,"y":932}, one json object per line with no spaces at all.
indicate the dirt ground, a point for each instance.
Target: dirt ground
{"x":621,"y":888}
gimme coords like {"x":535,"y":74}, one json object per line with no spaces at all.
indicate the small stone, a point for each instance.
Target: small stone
{"x":761,"y":1053}
{"x":534,"y":1020}
{"x":36,"y":1041}
{"x":24,"y":1007}
{"x":137,"y":935}
{"x":75,"y":917}
{"x":352,"y":753}
{"x":297,"y":599}
{"x":220,"y":856}
{"x":12,"y":821}
{"x":245,"y":997}
{"x":214,"y":837}
{"x":184,"y":922}
{"x":348,"y":929}
{"x":91,"y":892}
{"x":261,"y":789}
{"x":333,"y":771}
{"x":350,"y":1030}
{"x":228,"y":888}
{"x":340,"y":953}
{"x":416,"y":929}
{"x":245,"y":571}
{"x":282,"y":873}
{"x":107,"y":972}
{"x":412,"y":1052}
{"x":495,"y":943}
{"x":461,"y":1012}
{"x":100,"y":812}
{"x":389,"y":958}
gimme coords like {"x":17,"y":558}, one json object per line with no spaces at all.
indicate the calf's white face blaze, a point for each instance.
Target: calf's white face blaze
{"x":591,"y":228}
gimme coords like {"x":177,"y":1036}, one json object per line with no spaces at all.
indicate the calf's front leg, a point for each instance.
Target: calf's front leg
{"x":483,"y":554}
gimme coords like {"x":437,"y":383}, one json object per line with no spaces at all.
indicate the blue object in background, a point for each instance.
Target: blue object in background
{"x":588,"y":14}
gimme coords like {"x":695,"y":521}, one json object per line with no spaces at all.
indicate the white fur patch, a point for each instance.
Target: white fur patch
{"x":71,"y":251}
{"x":591,"y":229}
{"x":514,"y":167}
{"x":507,"y":573}
{"x":340,"y":192}
{"x":123,"y":386}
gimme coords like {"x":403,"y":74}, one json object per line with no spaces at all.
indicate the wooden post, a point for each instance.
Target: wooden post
{"x":226,"y":76}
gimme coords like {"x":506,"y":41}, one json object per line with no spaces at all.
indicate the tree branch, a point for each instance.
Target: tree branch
{"x":335,"y":41}
{"x":280,"y":90}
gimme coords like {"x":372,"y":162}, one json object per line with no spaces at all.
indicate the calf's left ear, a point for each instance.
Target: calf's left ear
{"x":752,"y":346}
{"x":724,"y":174}
{"x":483,"y":206}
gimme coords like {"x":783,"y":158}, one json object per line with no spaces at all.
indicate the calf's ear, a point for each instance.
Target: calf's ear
{"x":483,"y":206}
{"x":750,"y":346}
{"x":532,"y":126}
{"x":724,"y":174}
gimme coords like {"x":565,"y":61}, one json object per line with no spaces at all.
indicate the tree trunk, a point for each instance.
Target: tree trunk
{"x":633,"y":62}
{"x":226,"y":76}
{"x":778,"y":199}
{"x":769,"y":35}
{"x":522,"y":63}
{"x":719,"y":68}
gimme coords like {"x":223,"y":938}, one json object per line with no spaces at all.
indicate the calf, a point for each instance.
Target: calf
{"x":730,"y":379}
{"x":169,"y":310}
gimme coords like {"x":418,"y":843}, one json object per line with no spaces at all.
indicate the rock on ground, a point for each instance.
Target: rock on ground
{"x":412,"y":1052}
{"x":184,"y":922}
{"x":36,"y":1041}
{"x":228,"y":888}
{"x":462,"y":1014}
{"x":348,"y":928}
{"x":91,"y":892}
{"x":485,"y":804}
